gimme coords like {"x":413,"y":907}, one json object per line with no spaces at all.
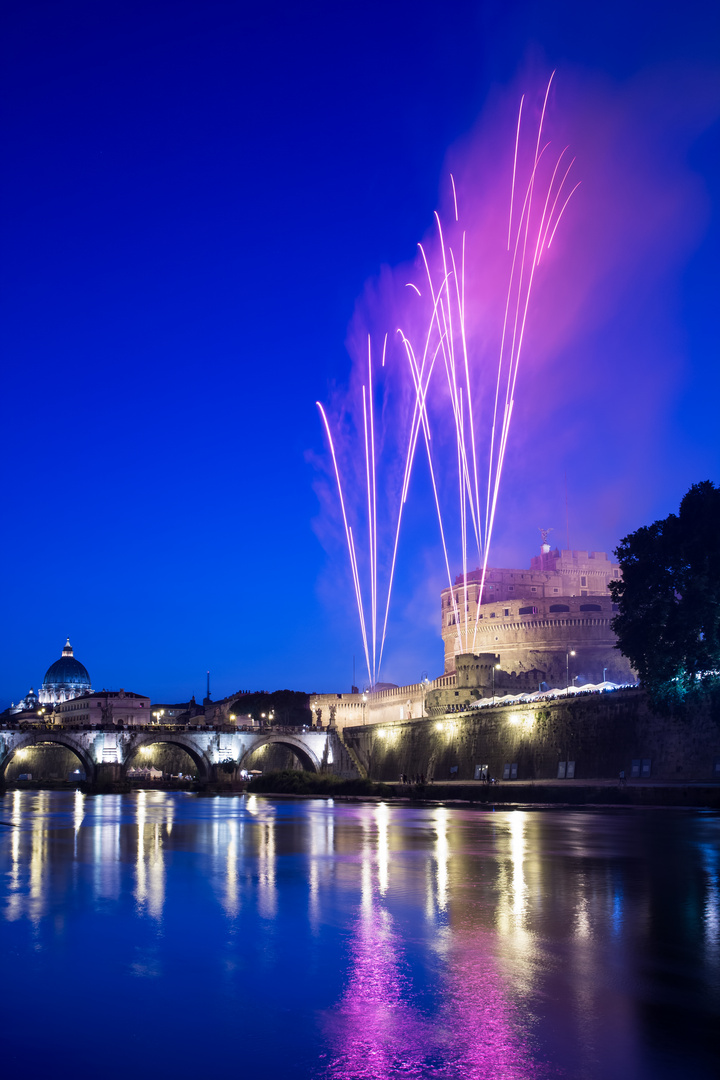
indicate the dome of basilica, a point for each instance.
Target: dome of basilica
{"x":67,"y":672}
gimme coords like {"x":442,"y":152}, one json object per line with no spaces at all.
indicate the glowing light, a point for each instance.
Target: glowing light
{"x":382,"y":816}
{"x":537,"y":190}
{"x":442,"y":854}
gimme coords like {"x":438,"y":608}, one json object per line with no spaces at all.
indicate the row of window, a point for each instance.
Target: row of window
{"x":530,"y":609}
{"x":550,"y":622}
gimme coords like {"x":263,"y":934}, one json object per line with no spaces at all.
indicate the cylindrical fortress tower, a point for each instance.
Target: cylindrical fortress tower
{"x":535,"y":619}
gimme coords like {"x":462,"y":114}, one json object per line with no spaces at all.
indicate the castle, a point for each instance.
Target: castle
{"x":533,"y":618}
{"x":545,"y":627}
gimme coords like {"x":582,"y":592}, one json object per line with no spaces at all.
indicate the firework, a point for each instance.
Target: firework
{"x":536,"y":192}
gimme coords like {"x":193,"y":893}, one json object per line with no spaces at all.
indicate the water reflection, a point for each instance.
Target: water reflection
{"x":149,"y":860}
{"x":375,"y":1029}
{"x":430,"y":942}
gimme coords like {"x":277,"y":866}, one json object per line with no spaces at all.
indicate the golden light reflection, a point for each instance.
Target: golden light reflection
{"x":232,"y":890}
{"x":267,"y":891}
{"x":149,"y":861}
{"x":106,"y":846}
{"x":314,"y":873}
{"x":442,"y":852}
{"x":140,"y":877}
{"x":517,"y":854}
{"x":512,"y":907}
{"x":38,"y":855}
{"x":582,"y":914}
{"x":78,"y":809}
{"x":157,"y":875}
{"x":711,"y":913}
{"x":16,"y":818}
{"x":382,"y":818}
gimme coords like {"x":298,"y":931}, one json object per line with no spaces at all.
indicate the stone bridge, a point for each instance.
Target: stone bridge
{"x":106,"y":754}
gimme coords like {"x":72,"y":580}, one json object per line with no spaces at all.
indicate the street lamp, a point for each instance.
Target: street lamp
{"x":604,"y":670}
{"x":496,"y":667}
{"x":567,"y":671}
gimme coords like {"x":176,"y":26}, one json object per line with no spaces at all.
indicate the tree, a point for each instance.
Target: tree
{"x":668,"y":621}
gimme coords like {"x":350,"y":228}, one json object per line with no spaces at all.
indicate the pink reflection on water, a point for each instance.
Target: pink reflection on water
{"x":378,"y":1029}
{"x":484,"y":1032}
{"x":375,"y":1032}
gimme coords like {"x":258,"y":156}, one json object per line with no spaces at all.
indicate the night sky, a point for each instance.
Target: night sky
{"x":195,"y":197}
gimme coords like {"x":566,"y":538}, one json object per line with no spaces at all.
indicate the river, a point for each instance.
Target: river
{"x":175,"y":935}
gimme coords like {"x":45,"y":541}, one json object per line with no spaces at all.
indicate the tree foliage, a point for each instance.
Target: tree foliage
{"x":668,"y":621}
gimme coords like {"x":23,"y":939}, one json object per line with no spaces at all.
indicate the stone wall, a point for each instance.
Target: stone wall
{"x":602,"y":733}
{"x":391,"y":705}
{"x":537,"y":633}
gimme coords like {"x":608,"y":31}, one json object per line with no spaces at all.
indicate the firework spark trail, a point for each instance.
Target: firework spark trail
{"x":512,"y":185}
{"x":515,"y":352}
{"x":452,"y":181}
{"x":370,"y":509}
{"x":460,"y":290}
{"x":503,"y":340}
{"x":369,"y":424}
{"x":374,"y":508}
{"x":563,"y":211}
{"x":446,"y":333}
{"x":557,"y":196}
{"x":348,"y":536}
{"x":412,"y":443}
{"x":426,"y":433}
{"x":414,"y":429}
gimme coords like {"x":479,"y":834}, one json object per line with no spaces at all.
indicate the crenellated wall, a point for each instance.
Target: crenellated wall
{"x":601,"y":733}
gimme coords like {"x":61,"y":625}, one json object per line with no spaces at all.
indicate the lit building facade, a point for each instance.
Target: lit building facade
{"x":534,"y":619}
{"x":103,"y":707}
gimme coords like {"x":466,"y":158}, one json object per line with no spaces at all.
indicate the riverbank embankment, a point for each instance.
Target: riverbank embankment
{"x":565,"y":793}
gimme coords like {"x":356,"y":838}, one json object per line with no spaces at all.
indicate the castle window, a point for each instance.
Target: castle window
{"x":527,"y":611}
{"x":511,"y":588}
{"x":533,"y":588}
{"x":556,"y":590}
{"x":583,"y":581}
{"x":507,"y":610}
{"x":616,"y":573}
{"x":559,"y":607}
{"x":492,"y":614}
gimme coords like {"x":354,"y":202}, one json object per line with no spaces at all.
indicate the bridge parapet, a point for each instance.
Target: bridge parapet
{"x":105,"y":753}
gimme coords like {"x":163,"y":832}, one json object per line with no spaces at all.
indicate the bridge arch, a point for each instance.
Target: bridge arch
{"x":185,"y":742}
{"x":37,"y":738}
{"x":308,"y":759}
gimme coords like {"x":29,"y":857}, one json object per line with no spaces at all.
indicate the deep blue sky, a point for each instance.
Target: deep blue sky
{"x":193,"y":197}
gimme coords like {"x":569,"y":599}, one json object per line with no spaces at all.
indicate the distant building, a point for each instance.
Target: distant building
{"x":64,"y":680}
{"x":183,"y":712}
{"x":104,"y":707}
{"x":27,"y":704}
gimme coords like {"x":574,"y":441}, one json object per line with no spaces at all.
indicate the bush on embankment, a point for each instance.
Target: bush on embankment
{"x":293,"y":782}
